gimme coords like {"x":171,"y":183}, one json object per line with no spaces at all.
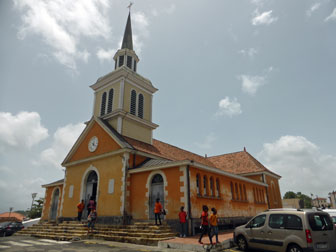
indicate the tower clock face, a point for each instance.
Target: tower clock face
{"x":93,"y":144}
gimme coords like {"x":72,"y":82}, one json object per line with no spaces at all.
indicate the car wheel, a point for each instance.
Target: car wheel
{"x":294,"y":248}
{"x":241,"y":242}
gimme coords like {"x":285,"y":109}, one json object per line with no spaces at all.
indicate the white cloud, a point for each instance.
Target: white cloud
{"x":208,"y":142}
{"x":140,"y":30}
{"x":250,"y":52}
{"x":63,"y":139}
{"x":312,"y":9}
{"x":21,"y":131}
{"x":264,"y":18}
{"x":301,"y":164}
{"x":226,"y":107}
{"x":258,"y":2}
{"x":105,"y":55}
{"x":171,"y":9}
{"x":250,"y":84}
{"x":62,"y":23}
{"x":331,"y":17}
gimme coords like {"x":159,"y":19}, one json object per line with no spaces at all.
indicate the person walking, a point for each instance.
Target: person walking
{"x":91,"y":205}
{"x":183,"y":222}
{"x":92,"y":218}
{"x":214,"y":224}
{"x":80,"y":208}
{"x":157,"y":211}
{"x":205,"y":224}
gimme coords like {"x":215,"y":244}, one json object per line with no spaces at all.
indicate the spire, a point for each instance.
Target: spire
{"x":127,"y":40}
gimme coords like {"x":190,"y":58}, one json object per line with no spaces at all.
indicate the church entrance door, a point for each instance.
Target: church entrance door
{"x":54,"y":205}
{"x":156,"y":192}
{"x":90,"y":190}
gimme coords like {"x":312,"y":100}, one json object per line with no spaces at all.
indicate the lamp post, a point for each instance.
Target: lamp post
{"x":10,"y":211}
{"x":33,"y":197}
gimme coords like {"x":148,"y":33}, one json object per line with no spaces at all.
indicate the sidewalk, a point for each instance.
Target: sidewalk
{"x":191,"y":243}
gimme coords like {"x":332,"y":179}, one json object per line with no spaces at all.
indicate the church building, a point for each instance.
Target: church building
{"x":117,"y":161}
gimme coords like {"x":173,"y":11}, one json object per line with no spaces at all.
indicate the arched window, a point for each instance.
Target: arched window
{"x":198,"y":181}
{"x":241,"y":192}
{"x":141,"y":105}
{"x":110,"y":101}
{"x":212,"y":191}
{"x":133,"y":102}
{"x":244,"y":189}
{"x":236,"y":191}
{"x":217,"y":188}
{"x":205,"y":185}
{"x":103,"y":104}
{"x":232,"y":191}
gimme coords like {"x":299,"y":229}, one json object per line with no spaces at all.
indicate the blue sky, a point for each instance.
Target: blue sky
{"x":231,"y":74}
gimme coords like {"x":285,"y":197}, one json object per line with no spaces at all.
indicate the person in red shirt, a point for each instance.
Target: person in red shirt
{"x":80,"y":208}
{"x":157,"y":211}
{"x":183,"y":222}
{"x":205,"y":224}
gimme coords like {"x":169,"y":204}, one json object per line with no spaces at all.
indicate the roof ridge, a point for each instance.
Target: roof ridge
{"x":226,"y":154}
{"x":179,"y":148}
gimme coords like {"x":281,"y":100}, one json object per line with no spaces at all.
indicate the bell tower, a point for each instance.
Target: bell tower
{"x":123,"y":98}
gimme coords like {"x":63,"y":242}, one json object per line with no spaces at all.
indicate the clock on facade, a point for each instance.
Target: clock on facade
{"x":93,"y":144}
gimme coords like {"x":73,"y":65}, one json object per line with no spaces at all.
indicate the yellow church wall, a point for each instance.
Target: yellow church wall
{"x":106,"y":168}
{"x":136,"y":131}
{"x":226,"y":204}
{"x":105,"y":144}
{"x":147,"y":100}
{"x":48,"y":201}
{"x":139,"y":191}
{"x":99,"y":94}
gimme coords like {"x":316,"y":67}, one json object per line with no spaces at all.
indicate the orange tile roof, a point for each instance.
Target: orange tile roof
{"x":167,"y":151}
{"x":237,"y":163}
{"x":18,"y":216}
{"x":240,"y":162}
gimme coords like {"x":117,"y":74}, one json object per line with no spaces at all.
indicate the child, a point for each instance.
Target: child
{"x":92,"y":220}
{"x":157,"y":211}
{"x":205,"y":224}
{"x":183,"y":222}
{"x":213,"y":224}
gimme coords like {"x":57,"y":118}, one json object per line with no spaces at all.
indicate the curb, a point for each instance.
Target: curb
{"x":195,"y":247}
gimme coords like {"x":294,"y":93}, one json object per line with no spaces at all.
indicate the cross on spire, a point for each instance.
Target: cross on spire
{"x":129,"y":6}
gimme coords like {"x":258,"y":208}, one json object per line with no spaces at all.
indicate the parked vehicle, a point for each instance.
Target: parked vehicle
{"x":332,"y":213}
{"x":288,"y":230}
{"x":9,"y":228}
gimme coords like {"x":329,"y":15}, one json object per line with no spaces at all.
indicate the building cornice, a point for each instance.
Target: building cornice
{"x":261,"y":173}
{"x":129,"y":75}
{"x":199,"y":166}
{"x":127,"y":115}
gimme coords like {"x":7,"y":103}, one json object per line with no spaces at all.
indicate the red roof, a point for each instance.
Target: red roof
{"x":238,"y":163}
{"x":18,"y":216}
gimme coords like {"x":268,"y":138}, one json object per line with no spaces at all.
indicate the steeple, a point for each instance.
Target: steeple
{"x":127,"y":40}
{"x":126,"y":56}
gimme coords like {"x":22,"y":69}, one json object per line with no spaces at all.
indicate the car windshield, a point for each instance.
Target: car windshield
{"x":320,"y":222}
{"x":4,"y":224}
{"x":333,"y":219}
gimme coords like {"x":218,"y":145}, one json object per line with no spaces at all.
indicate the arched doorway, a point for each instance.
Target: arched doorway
{"x":156,"y":192}
{"x":90,"y":189}
{"x":54,"y":204}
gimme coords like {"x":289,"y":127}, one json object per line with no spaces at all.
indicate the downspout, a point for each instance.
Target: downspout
{"x":264,"y":180}
{"x":190,"y":223}
{"x":125,"y":161}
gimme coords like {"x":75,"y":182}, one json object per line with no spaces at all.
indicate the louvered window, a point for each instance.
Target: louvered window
{"x":135,"y":66}
{"x":110,"y":101}
{"x":129,"y":62}
{"x":121,"y":60}
{"x":133,"y":102}
{"x":103,"y":104}
{"x":141,"y":105}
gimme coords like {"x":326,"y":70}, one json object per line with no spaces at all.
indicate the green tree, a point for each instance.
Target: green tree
{"x":290,"y":195}
{"x":36,"y":210}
